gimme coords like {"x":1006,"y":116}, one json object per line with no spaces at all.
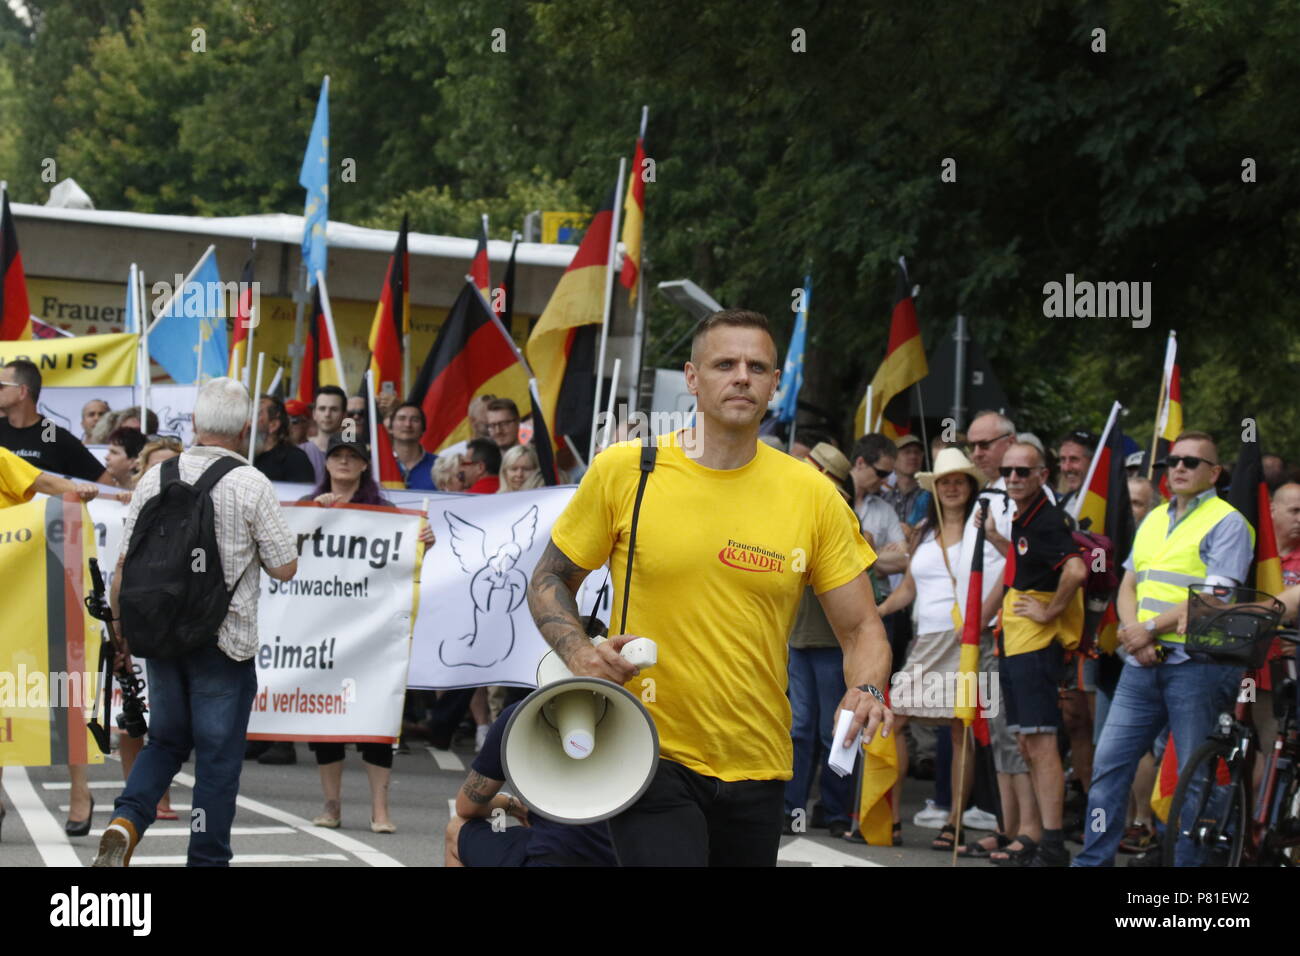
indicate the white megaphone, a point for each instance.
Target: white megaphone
{"x":581,"y":749}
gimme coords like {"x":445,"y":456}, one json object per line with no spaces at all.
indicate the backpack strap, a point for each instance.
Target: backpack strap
{"x":214,"y":473}
{"x":168,"y":472}
{"x":648,"y":454}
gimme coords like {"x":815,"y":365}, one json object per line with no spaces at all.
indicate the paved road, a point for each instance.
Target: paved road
{"x":277,"y":804}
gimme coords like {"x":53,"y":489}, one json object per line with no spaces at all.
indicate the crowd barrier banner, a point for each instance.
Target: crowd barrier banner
{"x":84,"y":360}
{"x":49,"y":644}
{"x":173,"y":404}
{"x":474,"y":626}
{"x":336,"y":639}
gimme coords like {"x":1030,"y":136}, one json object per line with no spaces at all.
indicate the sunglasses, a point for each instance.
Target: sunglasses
{"x":1190,"y":462}
{"x":1020,"y":471}
{"x":987,"y":443}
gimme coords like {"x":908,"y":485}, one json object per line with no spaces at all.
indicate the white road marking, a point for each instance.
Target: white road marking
{"x":360,"y":850}
{"x":108,"y":807}
{"x":446,"y":759}
{"x":46,"y":832}
{"x":176,"y":831}
{"x":800,"y":850}
{"x":242,"y":859}
{"x":94,"y":784}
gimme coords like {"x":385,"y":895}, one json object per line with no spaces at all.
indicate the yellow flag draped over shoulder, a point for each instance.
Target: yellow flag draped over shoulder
{"x":879,"y":774}
{"x":49,"y":657}
{"x":84,"y":360}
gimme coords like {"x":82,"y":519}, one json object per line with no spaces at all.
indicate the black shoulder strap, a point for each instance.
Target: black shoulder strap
{"x":648,"y":453}
{"x":214,"y":473}
{"x":170,"y":471}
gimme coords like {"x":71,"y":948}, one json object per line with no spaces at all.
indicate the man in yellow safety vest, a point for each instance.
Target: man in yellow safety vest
{"x":1195,"y":538}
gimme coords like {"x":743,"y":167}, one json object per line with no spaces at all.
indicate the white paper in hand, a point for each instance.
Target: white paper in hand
{"x":843,"y":758}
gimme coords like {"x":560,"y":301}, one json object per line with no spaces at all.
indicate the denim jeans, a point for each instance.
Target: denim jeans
{"x":816,"y":688}
{"x":1189,"y":696}
{"x":198,"y":702}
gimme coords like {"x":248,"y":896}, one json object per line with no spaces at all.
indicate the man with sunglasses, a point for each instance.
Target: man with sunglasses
{"x":1198,"y":538}
{"x":1042,"y":614}
{"x":873,"y":461}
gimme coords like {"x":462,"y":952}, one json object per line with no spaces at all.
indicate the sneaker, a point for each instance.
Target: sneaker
{"x":1138,"y":838}
{"x":117,"y":844}
{"x":932,"y":817}
{"x":1049,"y":855}
{"x":977,"y":819}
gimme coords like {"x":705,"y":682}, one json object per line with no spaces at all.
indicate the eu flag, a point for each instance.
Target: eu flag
{"x":787,"y":397}
{"x":193,"y":327}
{"x":314,"y":178}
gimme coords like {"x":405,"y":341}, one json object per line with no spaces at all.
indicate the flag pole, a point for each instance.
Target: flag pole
{"x":613,"y":393}
{"x":295,"y":354}
{"x":177,"y":292}
{"x":609,"y":303}
{"x":370,"y":411}
{"x":252,"y":326}
{"x":866,"y":419}
{"x":252,"y":432}
{"x":959,"y":790}
{"x":1076,"y":506}
{"x":925,"y":439}
{"x":329,"y":328}
{"x":147,"y":375}
{"x":1162,"y":403}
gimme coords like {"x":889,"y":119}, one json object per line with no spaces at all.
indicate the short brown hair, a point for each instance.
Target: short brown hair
{"x":736,"y":318}
{"x":1197,"y":436}
{"x":503,"y":405}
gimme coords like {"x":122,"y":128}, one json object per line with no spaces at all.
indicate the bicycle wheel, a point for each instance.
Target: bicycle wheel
{"x":1208,"y":812}
{"x":1288,"y":821}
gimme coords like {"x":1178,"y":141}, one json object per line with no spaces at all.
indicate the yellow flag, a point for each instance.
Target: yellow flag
{"x":879,"y":775}
{"x":83,"y":360}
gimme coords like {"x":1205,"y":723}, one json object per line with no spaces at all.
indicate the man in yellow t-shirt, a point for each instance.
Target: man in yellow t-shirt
{"x":730,"y":533}
{"x":19,"y":481}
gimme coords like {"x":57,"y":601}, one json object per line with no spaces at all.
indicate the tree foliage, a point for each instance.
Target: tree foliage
{"x":1123,"y":165}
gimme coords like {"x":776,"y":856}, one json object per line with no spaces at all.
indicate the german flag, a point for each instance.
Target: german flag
{"x":15,"y":312}
{"x":562,"y":346}
{"x":473,"y":355}
{"x":1169,"y":417}
{"x":904,"y":365}
{"x":392,"y":317}
{"x":1162,"y":794}
{"x":243,"y":321}
{"x":320,"y":363}
{"x":1104,"y":509}
{"x":1249,"y":495}
{"x":480,"y":270}
{"x":634,"y":219}
{"x":388,"y":474}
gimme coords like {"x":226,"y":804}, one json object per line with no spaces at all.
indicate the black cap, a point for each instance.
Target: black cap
{"x":338,"y":441}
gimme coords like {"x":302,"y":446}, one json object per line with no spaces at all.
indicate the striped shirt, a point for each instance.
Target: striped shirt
{"x":249,"y":526}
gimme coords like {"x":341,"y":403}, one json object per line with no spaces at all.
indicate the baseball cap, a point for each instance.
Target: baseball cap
{"x":338,"y":442}
{"x":296,"y":408}
{"x":906,"y":440}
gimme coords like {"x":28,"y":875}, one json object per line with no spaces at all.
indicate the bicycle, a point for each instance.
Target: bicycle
{"x":1209,"y":807}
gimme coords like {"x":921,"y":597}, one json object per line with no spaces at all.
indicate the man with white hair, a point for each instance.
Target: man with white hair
{"x":200,"y":700}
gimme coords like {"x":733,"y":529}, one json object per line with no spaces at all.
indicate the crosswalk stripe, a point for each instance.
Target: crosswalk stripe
{"x":175,"y":831}
{"x":801,"y":850}
{"x":46,"y":832}
{"x":108,"y":807}
{"x":361,"y":851}
{"x":446,"y":759}
{"x":243,"y":859}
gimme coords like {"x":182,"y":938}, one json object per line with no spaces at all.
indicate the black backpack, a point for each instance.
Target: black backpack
{"x":173,"y":596}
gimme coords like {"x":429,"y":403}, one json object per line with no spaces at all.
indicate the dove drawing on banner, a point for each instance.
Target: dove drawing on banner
{"x":496,"y":587}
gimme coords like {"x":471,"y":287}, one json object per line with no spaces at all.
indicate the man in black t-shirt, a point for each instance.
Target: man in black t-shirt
{"x":34,"y":438}
{"x":473,"y":840}
{"x":277,"y":458}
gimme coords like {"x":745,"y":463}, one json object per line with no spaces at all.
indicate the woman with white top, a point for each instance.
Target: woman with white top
{"x":924,"y":690}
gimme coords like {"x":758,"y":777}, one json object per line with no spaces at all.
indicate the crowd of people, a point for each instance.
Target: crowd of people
{"x":1077,"y":729}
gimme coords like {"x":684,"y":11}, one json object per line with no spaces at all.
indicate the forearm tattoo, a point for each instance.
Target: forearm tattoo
{"x":551,"y":600}
{"x":479,"y":789}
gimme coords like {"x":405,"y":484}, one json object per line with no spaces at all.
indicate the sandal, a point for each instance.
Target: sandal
{"x":1021,"y":857}
{"x":978,"y":851}
{"x":946,"y":838}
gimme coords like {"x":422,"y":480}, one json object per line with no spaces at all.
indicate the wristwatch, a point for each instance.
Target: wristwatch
{"x":873,"y":691}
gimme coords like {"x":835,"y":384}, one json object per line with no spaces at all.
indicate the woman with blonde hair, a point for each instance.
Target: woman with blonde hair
{"x":520,"y":470}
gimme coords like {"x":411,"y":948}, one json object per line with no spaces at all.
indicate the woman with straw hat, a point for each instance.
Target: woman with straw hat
{"x":923,"y":691}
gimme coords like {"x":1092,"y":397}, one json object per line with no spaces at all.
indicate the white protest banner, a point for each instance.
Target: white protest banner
{"x":474,"y":627}
{"x":336,"y":639}
{"x":174,"y":406}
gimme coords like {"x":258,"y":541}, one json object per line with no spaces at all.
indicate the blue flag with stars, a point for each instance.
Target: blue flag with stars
{"x":787,"y":397}
{"x":314,"y":177}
